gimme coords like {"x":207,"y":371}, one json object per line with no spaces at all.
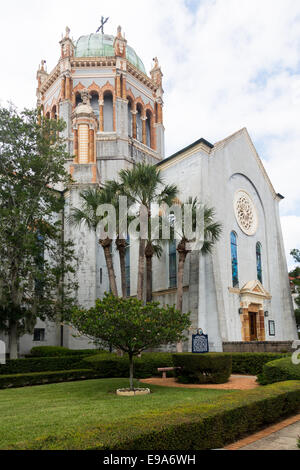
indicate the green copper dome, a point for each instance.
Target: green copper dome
{"x":102,"y":45}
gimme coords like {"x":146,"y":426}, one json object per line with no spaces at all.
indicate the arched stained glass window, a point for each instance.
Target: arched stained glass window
{"x":259,"y":262}
{"x":234,"y":260}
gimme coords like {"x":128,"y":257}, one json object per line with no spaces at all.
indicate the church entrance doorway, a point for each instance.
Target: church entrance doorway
{"x":253,"y":326}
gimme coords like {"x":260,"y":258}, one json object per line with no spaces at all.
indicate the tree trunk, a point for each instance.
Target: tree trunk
{"x":13,"y":341}
{"x":149,"y":252}
{"x":121,"y":247}
{"x":141,"y":269}
{"x":131,"y":372}
{"x":106,"y":244}
{"x":183,"y":252}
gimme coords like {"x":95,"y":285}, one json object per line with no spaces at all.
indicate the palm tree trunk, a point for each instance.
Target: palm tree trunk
{"x":121,"y":247}
{"x":13,"y":340}
{"x":106,"y":244}
{"x":149,"y":252}
{"x":183,"y":252}
{"x":141,"y":270}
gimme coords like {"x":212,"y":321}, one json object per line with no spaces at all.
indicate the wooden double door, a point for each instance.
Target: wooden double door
{"x":253,"y":326}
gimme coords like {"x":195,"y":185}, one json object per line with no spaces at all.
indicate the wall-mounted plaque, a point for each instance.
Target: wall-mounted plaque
{"x":200,"y":344}
{"x":272,"y":331}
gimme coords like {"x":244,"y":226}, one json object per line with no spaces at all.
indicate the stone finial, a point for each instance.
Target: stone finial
{"x":120,"y":44}
{"x":156,"y":73}
{"x":119,"y":33}
{"x":156,"y":64}
{"x":68,"y":32}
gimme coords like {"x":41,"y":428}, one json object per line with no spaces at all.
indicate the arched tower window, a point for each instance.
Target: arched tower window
{"x":148,"y":129}
{"x":259,"y":262}
{"x":234,"y":259}
{"x":108,"y":113}
{"x":139,"y":124}
{"x":78,"y":98}
{"x":172,"y":264}
{"x":95,"y":104}
{"x":129,"y":118}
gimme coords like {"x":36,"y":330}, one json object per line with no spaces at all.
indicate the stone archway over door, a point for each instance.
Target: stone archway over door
{"x":253,"y":296}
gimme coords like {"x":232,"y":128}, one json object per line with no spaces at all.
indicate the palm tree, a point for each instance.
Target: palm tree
{"x":114,"y":191}
{"x":153,"y":248}
{"x":92,"y":199}
{"x":212,"y":233}
{"x":144,"y":185}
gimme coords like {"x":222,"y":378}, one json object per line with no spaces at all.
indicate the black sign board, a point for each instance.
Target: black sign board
{"x":200,"y":343}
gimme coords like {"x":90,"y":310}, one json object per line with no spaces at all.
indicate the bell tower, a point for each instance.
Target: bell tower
{"x":112,"y":108}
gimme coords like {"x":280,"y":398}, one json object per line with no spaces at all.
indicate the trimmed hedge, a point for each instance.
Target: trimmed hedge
{"x":279,"y":371}
{"x":41,"y":378}
{"x":112,"y":366}
{"x":58,"y":351}
{"x":193,"y":427}
{"x":42,"y":364}
{"x":211,"y":368}
{"x":252,"y":363}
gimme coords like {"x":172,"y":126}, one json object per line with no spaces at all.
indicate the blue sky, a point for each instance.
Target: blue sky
{"x":227,"y":64}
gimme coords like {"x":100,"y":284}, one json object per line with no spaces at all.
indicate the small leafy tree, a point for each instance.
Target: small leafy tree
{"x":131,"y":326}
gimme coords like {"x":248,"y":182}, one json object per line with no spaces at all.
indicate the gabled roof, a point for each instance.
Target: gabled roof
{"x":244,"y":132}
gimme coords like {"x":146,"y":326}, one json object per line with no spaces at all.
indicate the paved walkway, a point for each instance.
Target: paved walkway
{"x":280,"y":436}
{"x":236,"y":382}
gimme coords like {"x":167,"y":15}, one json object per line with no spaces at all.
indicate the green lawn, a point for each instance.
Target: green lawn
{"x":52,"y":410}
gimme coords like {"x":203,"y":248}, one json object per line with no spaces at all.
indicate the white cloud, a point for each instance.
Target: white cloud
{"x":227,"y":65}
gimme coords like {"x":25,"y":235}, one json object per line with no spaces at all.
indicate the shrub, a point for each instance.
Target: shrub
{"x":252,"y":363}
{"x":279,"y":371}
{"x":41,"y":364}
{"x":193,"y":427}
{"x":57,"y":351}
{"x":110,"y":365}
{"x":41,"y":378}
{"x":203,"y":368}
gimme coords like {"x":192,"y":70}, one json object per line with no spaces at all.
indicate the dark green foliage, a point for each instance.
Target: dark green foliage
{"x":32,"y":163}
{"x":110,"y":365}
{"x":252,"y":363}
{"x":211,"y":368}
{"x":279,"y":371}
{"x":41,"y":378}
{"x":192,"y":427}
{"x":57,"y":351}
{"x":42,"y":364}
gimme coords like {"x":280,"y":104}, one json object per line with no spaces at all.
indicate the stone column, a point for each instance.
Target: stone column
{"x":261,"y":326}
{"x":101,"y":116}
{"x":63,"y":88}
{"x":245,"y":325}
{"x":118,"y":86}
{"x":124,"y":92}
{"x":91,"y":146}
{"x":159,"y":113}
{"x":76,"y":145}
{"x":144,"y":119}
{"x":134,"y":113}
{"x":68,"y":88}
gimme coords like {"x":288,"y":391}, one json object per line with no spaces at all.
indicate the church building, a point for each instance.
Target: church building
{"x":114,"y":115}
